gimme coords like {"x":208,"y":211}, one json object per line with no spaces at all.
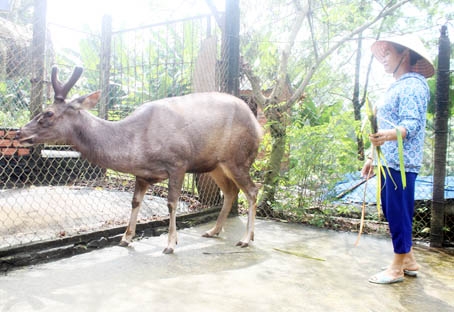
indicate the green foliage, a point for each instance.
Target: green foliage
{"x":262,"y":54}
{"x":320,"y":155}
{"x":147,"y":64}
{"x":321,"y":129}
{"x":152,"y":64}
{"x":13,"y":103}
{"x":260,"y":164}
{"x":344,"y":17}
{"x":88,"y":55}
{"x":14,"y":119}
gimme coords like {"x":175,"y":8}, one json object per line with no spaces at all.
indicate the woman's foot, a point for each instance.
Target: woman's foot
{"x":412,"y":273}
{"x":388,"y":276}
{"x":410,"y":267}
{"x":410,"y":270}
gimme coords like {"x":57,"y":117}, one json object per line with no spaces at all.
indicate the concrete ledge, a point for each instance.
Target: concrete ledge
{"x":66,"y":247}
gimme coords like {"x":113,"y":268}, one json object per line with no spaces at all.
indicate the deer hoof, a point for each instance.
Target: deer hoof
{"x":168,"y":251}
{"x":206,"y":234}
{"x":242,"y":244}
{"x":124,"y":243}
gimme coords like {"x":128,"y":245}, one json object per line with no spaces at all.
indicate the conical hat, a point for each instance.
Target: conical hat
{"x":423,"y":66}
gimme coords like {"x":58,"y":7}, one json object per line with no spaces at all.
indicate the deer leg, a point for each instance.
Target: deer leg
{"x":230,"y":191}
{"x":249,"y":235}
{"x":175,"y":184}
{"x":251,"y":195}
{"x":139,"y":192}
{"x":243,"y":180}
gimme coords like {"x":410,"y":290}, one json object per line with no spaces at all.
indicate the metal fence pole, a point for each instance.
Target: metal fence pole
{"x":105,"y":66}
{"x":441,"y":135}
{"x":38,"y":55}
{"x":231,"y":57}
{"x":231,"y":47}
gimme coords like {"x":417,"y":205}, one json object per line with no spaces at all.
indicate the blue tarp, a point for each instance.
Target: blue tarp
{"x":352,"y":189}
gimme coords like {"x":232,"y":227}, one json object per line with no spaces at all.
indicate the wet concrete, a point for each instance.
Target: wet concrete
{"x":288,"y":268}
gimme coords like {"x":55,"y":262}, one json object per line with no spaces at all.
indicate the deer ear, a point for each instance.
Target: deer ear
{"x":86,"y":102}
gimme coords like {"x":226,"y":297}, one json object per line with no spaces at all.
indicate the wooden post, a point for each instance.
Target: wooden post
{"x":441,"y":138}
{"x":106,"y":40}
{"x":230,"y":78}
{"x":38,"y":56}
{"x":232,"y":46}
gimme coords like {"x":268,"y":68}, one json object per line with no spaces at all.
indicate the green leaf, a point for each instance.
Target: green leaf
{"x":400,"y":147}
{"x":378,"y":190}
{"x":372,"y":114}
{"x":298,"y":254}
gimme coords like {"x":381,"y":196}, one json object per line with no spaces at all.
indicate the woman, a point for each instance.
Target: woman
{"x":404,"y":108}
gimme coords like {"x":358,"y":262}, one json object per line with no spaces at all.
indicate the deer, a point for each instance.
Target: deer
{"x":213,"y":132}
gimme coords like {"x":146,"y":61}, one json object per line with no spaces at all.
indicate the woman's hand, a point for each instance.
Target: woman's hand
{"x":368,"y":169}
{"x":379,"y":138}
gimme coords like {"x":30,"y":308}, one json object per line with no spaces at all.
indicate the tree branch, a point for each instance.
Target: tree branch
{"x":311,"y":29}
{"x":283,"y":66}
{"x":385,"y":12}
{"x":219,"y":19}
{"x":369,"y":68}
{"x":255,"y":84}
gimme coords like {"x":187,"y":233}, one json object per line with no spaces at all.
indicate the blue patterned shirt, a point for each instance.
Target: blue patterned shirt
{"x":405,"y":105}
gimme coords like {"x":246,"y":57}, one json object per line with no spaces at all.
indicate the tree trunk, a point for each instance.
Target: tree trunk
{"x":278,"y":129}
{"x":279,"y":137}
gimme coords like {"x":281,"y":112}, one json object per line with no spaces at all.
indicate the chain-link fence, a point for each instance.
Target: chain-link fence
{"x":48,"y":193}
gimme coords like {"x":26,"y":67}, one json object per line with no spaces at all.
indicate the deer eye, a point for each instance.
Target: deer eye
{"x":44,"y":119}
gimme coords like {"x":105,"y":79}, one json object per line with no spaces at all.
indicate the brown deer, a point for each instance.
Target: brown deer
{"x":163,"y":139}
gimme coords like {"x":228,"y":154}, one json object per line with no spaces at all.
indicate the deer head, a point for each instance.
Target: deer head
{"x":55,"y":123}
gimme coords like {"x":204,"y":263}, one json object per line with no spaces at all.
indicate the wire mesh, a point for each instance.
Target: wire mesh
{"x":49,"y":192}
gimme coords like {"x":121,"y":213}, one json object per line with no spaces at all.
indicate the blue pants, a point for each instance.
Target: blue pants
{"x":398,"y":207}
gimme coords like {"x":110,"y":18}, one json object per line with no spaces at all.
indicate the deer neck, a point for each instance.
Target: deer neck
{"x":102,"y":142}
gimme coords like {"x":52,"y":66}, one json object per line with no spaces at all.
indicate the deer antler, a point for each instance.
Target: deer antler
{"x":61,"y":91}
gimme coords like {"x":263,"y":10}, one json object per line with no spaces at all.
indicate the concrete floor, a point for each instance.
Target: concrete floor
{"x":289,"y":267}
